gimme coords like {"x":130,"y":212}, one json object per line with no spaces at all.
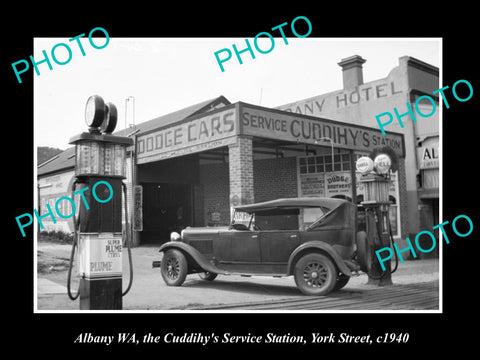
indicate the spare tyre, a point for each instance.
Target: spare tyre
{"x":363,"y":251}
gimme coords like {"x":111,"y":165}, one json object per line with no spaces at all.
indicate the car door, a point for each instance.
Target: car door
{"x":277,"y":245}
{"x":244,"y":250}
{"x":279,"y":237}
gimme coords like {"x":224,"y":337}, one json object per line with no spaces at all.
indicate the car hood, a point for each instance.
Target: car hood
{"x":204,"y":230}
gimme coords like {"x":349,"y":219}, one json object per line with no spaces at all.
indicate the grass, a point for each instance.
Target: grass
{"x":47,"y":263}
{"x":58,"y":237}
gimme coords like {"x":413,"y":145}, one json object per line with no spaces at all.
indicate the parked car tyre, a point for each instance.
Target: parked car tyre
{"x":208,"y":276}
{"x":315,"y":274}
{"x":342,"y":280}
{"x":174,"y":267}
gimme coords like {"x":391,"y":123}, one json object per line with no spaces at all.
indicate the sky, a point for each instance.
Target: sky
{"x":167,"y":74}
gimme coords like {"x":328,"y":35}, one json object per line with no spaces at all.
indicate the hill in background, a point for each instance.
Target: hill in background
{"x":44,"y":153}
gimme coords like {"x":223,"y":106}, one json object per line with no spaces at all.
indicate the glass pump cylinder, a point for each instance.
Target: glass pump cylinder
{"x":376,"y":189}
{"x":100,"y":155}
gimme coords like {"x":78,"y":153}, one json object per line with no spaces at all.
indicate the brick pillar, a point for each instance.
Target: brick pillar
{"x":240,"y":157}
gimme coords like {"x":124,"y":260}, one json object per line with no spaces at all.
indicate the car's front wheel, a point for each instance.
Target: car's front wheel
{"x":174,"y":267}
{"x":315,"y":274}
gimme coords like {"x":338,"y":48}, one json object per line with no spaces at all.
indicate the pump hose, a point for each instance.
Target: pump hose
{"x":72,"y":254}
{"x":128,"y":242}
{"x":396,"y":255}
{"x":75,"y":244}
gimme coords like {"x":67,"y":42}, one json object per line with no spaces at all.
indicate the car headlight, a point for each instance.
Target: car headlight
{"x":174,"y":236}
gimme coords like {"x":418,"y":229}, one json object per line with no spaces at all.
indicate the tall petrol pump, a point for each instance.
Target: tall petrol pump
{"x":99,"y":171}
{"x":375,"y":170}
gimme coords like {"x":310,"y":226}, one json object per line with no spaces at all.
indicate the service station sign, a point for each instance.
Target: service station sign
{"x":275,"y":124}
{"x":212,"y":130}
{"x":220,"y":127}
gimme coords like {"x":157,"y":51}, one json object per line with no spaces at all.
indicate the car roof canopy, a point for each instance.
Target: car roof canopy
{"x":330,"y":203}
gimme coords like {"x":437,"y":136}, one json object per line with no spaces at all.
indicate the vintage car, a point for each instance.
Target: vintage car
{"x":312,"y":239}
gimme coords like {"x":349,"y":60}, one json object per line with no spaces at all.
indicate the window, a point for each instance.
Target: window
{"x":277,"y":219}
{"x":323,"y":163}
{"x":310,"y":215}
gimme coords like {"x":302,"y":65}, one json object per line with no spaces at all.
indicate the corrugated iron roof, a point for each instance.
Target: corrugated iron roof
{"x":62,"y":161}
{"x":175,"y":116}
{"x":66,"y":159}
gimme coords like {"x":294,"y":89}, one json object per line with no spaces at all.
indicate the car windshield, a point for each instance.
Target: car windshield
{"x":241,"y":220}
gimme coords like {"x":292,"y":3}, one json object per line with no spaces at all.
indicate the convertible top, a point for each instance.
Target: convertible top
{"x":329,"y":203}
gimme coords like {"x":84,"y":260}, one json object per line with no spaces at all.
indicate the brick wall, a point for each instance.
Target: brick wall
{"x":214,"y":180}
{"x":275,"y":178}
{"x":241,"y":171}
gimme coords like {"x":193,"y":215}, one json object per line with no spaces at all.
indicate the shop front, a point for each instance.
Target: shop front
{"x":429,"y":184}
{"x":195,"y":170}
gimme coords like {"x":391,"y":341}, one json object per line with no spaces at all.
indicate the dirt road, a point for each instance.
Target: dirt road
{"x":149,"y":292}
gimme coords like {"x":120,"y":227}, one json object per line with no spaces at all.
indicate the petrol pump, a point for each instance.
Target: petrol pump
{"x":376,"y":170}
{"x":99,"y":171}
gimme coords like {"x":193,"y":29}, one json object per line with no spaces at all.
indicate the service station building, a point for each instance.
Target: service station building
{"x":193,"y":172}
{"x":191,"y":167}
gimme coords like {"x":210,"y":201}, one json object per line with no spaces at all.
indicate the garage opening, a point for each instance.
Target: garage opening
{"x":168,"y":197}
{"x":167,"y":207}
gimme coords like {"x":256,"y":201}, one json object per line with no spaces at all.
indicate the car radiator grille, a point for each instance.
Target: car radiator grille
{"x":204,"y":246}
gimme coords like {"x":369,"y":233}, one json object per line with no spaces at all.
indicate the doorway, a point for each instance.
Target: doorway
{"x":167,"y":207}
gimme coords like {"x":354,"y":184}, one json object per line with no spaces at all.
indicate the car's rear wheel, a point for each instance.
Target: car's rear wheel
{"x":315,"y":274}
{"x":174,"y":267}
{"x":208,"y":276}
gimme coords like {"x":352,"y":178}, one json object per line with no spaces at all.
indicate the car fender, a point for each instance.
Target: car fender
{"x":194,"y":254}
{"x":320,"y":245}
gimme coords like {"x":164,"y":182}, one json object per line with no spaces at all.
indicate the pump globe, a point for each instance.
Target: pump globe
{"x":364,"y":165}
{"x":94,"y":111}
{"x":382,"y":163}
